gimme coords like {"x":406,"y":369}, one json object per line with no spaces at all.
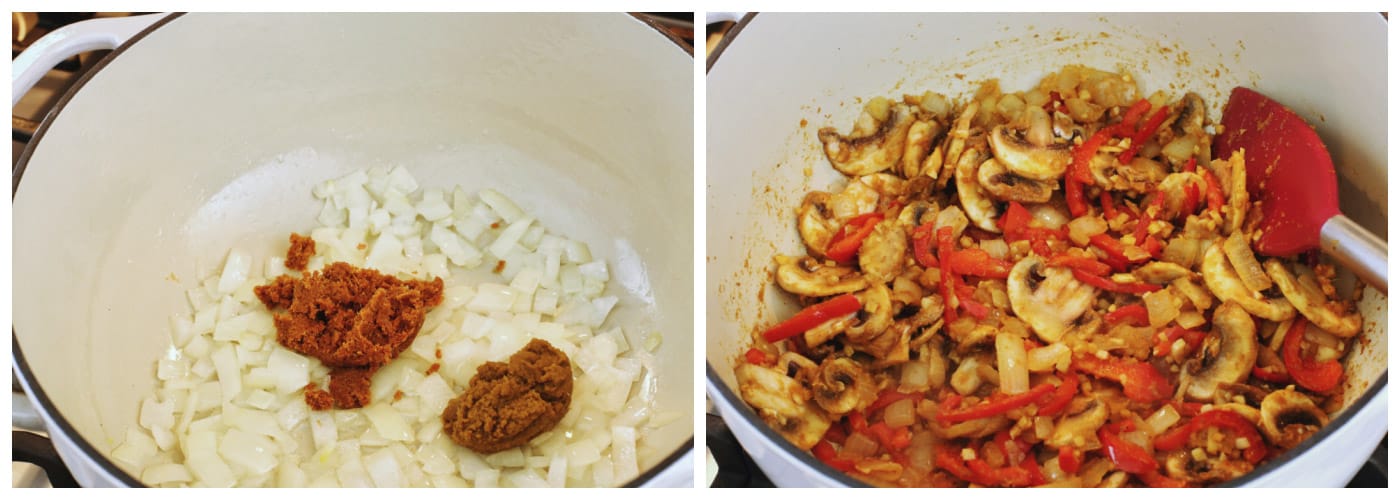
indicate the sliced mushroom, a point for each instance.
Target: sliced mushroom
{"x":882,"y":252}
{"x":918,"y":146}
{"x":917,"y":213}
{"x":1190,"y":115}
{"x":828,"y":330}
{"x":875,"y":144}
{"x":808,"y":277}
{"x":971,"y":339}
{"x":877,"y":313}
{"x":1161,"y":272}
{"x":1081,"y":427}
{"x":1227,"y":355}
{"x":1007,"y":186}
{"x":976,"y":202}
{"x":957,"y":142}
{"x":1309,"y":300}
{"x":1041,"y":162}
{"x":815,"y":222}
{"x":1140,"y":175}
{"x":783,"y":403}
{"x":1048,"y":299}
{"x":842,"y":385}
{"x":1289,"y":417}
{"x":889,"y":347}
{"x":1222,"y":281}
{"x":1208,"y":470}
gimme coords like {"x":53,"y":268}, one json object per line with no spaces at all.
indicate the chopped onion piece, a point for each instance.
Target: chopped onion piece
{"x":236,"y":269}
{"x":1011,"y":363}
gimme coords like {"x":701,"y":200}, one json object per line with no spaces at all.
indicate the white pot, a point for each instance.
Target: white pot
{"x":783,"y":76}
{"x":208,"y":131}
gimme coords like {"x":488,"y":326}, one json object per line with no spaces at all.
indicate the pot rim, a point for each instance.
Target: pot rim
{"x":36,"y":392}
{"x":717,"y":386}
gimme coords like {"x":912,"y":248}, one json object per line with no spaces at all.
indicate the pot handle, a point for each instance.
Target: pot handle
{"x":34,"y":449}
{"x":69,"y":41}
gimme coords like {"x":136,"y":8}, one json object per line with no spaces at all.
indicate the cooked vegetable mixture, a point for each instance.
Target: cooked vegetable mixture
{"x":1048,"y":287}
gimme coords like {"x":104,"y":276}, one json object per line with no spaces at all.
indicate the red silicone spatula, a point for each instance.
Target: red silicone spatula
{"x":1291,"y":174}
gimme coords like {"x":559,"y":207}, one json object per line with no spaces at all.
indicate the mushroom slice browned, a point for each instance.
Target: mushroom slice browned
{"x":875,"y":144}
{"x":877,"y":313}
{"x":1048,"y":299}
{"x":1288,"y":417}
{"x":917,"y":147}
{"x":882,"y":252}
{"x":842,"y":385}
{"x":1005,"y":185}
{"x":1227,"y":355}
{"x":815,"y":222}
{"x":1140,"y":175}
{"x":808,"y":277}
{"x":1161,"y":272}
{"x":783,"y":403}
{"x":1080,"y":427}
{"x":1041,"y":162}
{"x":976,"y":201}
{"x":1302,"y":291}
{"x":1220,"y":277}
{"x":957,"y":142}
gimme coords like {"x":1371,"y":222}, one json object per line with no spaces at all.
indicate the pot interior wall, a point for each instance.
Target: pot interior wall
{"x":211,"y":131}
{"x":785,"y":76}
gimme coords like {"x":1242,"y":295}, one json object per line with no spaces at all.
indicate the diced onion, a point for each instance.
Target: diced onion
{"x":1161,"y":420}
{"x":229,"y":409}
{"x":900,"y":413}
{"x":1047,"y":358}
{"x":1162,"y":307}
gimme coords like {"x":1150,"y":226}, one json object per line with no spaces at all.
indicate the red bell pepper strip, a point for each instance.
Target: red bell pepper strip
{"x":1313,"y":375}
{"x":970,"y":304}
{"x":1215,"y":197}
{"x":812,"y":316}
{"x":949,"y":459}
{"x":1192,"y":201}
{"x":890,"y":397}
{"x":827,"y":454}
{"x":1141,"y":381}
{"x":1018,"y":476}
{"x":892,"y":439}
{"x":1143,"y":132}
{"x":1015,"y":225}
{"x":836,"y":434}
{"x":1135,"y":314}
{"x":1079,"y":160}
{"x":1057,"y":401}
{"x":1110,"y":212}
{"x":977,"y":262}
{"x":1190,"y":165}
{"x":1114,"y":286}
{"x":1126,"y":456}
{"x":1153,"y":247}
{"x":1114,"y":250}
{"x":1132,"y":116}
{"x":995,"y":406}
{"x":756,"y":356}
{"x":1083,"y":263}
{"x":1153,"y":210}
{"x":1193,"y":340}
{"x":1074,"y":197}
{"x":923,"y":245}
{"x":1272,"y":376}
{"x":1070,"y":459}
{"x":858,"y":423}
{"x":846,"y":243}
{"x":1178,"y":438}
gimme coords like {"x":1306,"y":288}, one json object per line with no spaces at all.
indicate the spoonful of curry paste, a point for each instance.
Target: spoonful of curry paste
{"x":508,"y":404}
{"x":354,"y":320}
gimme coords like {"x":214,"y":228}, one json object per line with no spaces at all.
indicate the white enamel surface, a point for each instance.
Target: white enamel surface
{"x":782,"y":69}
{"x":168,"y":157}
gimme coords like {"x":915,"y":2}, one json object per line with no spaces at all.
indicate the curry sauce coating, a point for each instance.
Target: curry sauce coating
{"x":508,"y":404}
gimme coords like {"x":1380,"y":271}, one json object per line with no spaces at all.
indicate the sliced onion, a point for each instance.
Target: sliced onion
{"x":1245,"y":263}
{"x":900,"y":413}
{"x":1011,"y":363}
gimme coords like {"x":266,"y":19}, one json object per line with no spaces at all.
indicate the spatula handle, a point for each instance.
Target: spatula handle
{"x":1356,"y":249}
